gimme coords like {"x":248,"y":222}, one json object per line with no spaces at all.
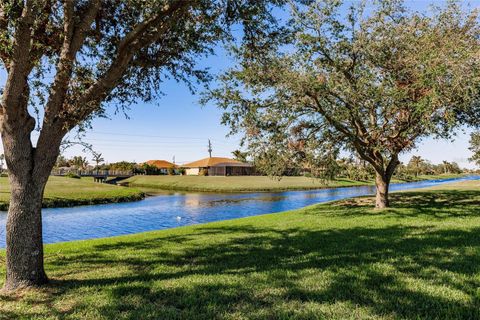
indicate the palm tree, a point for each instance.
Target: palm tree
{"x":97,"y":158}
{"x":240,"y":156}
{"x":446,"y":167}
{"x":416,"y":162}
{"x":80,"y":162}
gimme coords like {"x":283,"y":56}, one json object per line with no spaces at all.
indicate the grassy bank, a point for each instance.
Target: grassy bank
{"x":434,"y":177}
{"x":66,"y":192}
{"x":233,"y":184}
{"x":246,"y":183}
{"x":342,"y":260}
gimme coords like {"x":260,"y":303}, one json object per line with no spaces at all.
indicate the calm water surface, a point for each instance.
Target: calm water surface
{"x":186,"y":208}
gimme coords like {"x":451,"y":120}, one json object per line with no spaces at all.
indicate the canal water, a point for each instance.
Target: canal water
{"x":176,"y":209}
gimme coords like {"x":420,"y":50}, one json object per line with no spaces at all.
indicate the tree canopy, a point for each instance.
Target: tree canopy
{"x":66,"y":61}
{"x":373,"y":82}
{"x":475,"y":147}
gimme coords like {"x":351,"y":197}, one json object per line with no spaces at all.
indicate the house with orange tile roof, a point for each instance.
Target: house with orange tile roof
{"x":217,"y":166}
{"x":162,"y":165}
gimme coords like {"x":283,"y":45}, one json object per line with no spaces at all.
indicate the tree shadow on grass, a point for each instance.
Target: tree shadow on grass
{"x":438,"y":204}
{"x":246,"y":271}
{"x":256,"y":273}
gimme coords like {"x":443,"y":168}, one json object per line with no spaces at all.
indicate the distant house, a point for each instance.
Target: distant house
{"x":215,"y":166}
{"x":162,"y":165}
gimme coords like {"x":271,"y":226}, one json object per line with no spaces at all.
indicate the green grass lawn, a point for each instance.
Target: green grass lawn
{"x":233,"y":183}
{"x":245,"y":183}
{"x":342,"y":260}
{"x":63,"y":191}
{"x":437,"y":176}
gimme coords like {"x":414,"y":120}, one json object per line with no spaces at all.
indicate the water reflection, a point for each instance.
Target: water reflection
{"x":173,"y":209}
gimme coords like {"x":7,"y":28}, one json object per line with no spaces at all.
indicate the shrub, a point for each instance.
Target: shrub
{"x":72,"y":175}
{"x":404,"y":176}
{"x":150,"y":170}
{"x":123,"y":166}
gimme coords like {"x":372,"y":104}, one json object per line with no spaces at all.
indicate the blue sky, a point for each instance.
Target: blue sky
{"x":177,"y":126}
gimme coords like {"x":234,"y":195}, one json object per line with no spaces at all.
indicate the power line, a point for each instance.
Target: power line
{"x":193,"y":143}
{"x":149,"y":136}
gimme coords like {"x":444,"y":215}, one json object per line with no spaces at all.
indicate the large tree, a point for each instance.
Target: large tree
{"x":475,"y":147}
{"x":373,"y":82}
{"x":65,"y":61}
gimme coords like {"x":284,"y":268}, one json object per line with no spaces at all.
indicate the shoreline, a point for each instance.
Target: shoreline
{"x":67,"y":203}
{"x":95,"y":209}
{"x":151,"y":189}
{"x":350,"y":183}
{"x":67,"y":192}
{"x":320,"y":248}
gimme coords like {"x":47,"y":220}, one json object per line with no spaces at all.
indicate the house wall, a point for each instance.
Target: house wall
{"x":192,"y":171}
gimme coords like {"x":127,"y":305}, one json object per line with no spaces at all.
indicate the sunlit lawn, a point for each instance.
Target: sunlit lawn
{"x":247,"y":183}
{"x":418,"y":260}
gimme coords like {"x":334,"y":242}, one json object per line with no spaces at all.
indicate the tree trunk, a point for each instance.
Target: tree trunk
{"x":28,"y":171}
{"x":24,"y":235}
{"x":382,"y":182}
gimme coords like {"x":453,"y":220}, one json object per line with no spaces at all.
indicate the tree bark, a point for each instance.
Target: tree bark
{"x":382,"y":182}
{"x":24,"y":234}
{"x":28,"y":169}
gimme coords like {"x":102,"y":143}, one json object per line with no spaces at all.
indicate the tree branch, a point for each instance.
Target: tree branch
{"x":141,"y":36}
{"x":74,"y":37}
{"x":53,"y":129}
{"x":14,"y":101}
{"x":4,"y":41}
{"x":392,"y":165}
{"x":39,"y":33}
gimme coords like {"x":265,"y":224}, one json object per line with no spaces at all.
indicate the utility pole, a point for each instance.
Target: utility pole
{"x":210,"y":148}
{"x":173,"y":159}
